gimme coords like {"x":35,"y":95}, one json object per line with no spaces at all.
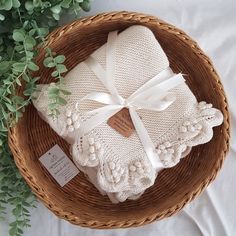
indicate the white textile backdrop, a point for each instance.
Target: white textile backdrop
{"x":212,"y":23}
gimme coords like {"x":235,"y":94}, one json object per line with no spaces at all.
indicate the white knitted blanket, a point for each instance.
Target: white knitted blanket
{"x":118,"y":166}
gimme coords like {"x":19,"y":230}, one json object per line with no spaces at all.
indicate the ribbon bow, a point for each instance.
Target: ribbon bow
{"x":154,"y":95}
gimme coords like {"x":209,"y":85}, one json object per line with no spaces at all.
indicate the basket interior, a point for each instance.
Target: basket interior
{"x":79,"y":197}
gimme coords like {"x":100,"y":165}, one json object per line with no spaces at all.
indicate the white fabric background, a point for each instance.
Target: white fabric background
{"x":212,"y":24}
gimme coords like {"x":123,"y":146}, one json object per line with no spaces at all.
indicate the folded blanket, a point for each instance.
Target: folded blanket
{"x":118,"y":158}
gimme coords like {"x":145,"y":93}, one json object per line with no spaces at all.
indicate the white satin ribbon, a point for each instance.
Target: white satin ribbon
{"x":154,"y":95}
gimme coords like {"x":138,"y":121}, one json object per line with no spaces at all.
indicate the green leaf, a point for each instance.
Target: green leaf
{"x":4,"y":66}
{"x":56,"y":9}
{"x":18,"y":115}
{"x":18,"y":81}
{"x":5,"y":115}
{"x":2,"y":175}
{"x":29,"y":42}
{"x":32,"y":32}
{"x":48,"y":50}
{"x":60,"y":59}
{"x":18,"y":35}
{"x":10,"y":51}
{"x":6,"y":5}
{"x":61,"y":101}
{"x":35,"y":79}
{"x":20,"y":231}
{"x":26,"y":77}
{"x":13,"y":231}
{"x":54,"y":73}
{"x":51,"y":64}
{"x":53,"y":90}
{"x":26,"y":204}
{"x":29,"y":55}
{"x":19,"y":48}
{"x":25,"y":24}
{"x":25,"y":210}
{"x":10,"y":107}
{"x":17,"y":211}
{"x":19,"y":66}
{"x":56,"y":16}
{"x":36,"y":3}
{"x":13,"y":224}
{"x":85,"y":5}
{"x":6,"y":99}
{"x":2,"y":17}
{"x":16,"y":3}
{"x":52,"y":96}
{"x":43,"y":31}
{"x":47,"y":60}
{"x":65,"y":92}
{"x":32,"y":66}
{"x":66,"y":3}
{"x":61,"y":68}
{"x":29,"y":6}
{"x":47,"y":4}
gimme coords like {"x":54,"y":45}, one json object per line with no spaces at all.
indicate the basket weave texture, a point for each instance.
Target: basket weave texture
{"x":79,"y":202}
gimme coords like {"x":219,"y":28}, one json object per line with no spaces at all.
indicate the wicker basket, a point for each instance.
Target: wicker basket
{"x":79,"y":202}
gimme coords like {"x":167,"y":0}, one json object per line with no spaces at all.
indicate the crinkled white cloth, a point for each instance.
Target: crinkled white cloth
{"x":212,"y":24}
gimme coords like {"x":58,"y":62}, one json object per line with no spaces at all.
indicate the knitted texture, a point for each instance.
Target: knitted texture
{"x":118,"y":166}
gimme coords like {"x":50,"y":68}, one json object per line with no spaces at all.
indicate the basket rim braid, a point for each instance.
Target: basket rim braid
{"x":79,"y":202}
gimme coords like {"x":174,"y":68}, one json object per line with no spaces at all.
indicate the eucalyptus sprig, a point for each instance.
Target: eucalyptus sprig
{"x":23,"y":26}
{"x":56,"y":94}
{"x":14,"y":192}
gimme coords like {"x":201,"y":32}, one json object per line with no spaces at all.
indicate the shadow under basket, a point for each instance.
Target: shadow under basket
{"x":79,"y":201}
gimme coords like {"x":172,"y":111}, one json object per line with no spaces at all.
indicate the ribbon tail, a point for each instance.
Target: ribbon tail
{"x":158,"y":90}
{"x":145,"y":140}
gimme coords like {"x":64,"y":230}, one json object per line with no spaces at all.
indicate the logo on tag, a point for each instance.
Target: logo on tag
{"x":122,"y":123}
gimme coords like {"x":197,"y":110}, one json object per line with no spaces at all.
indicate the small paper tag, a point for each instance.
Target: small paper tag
{"x":122,"y":123}
{"x":59,"y":165}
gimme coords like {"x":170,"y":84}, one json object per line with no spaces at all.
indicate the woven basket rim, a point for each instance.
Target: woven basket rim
{"x":18,"y":153}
